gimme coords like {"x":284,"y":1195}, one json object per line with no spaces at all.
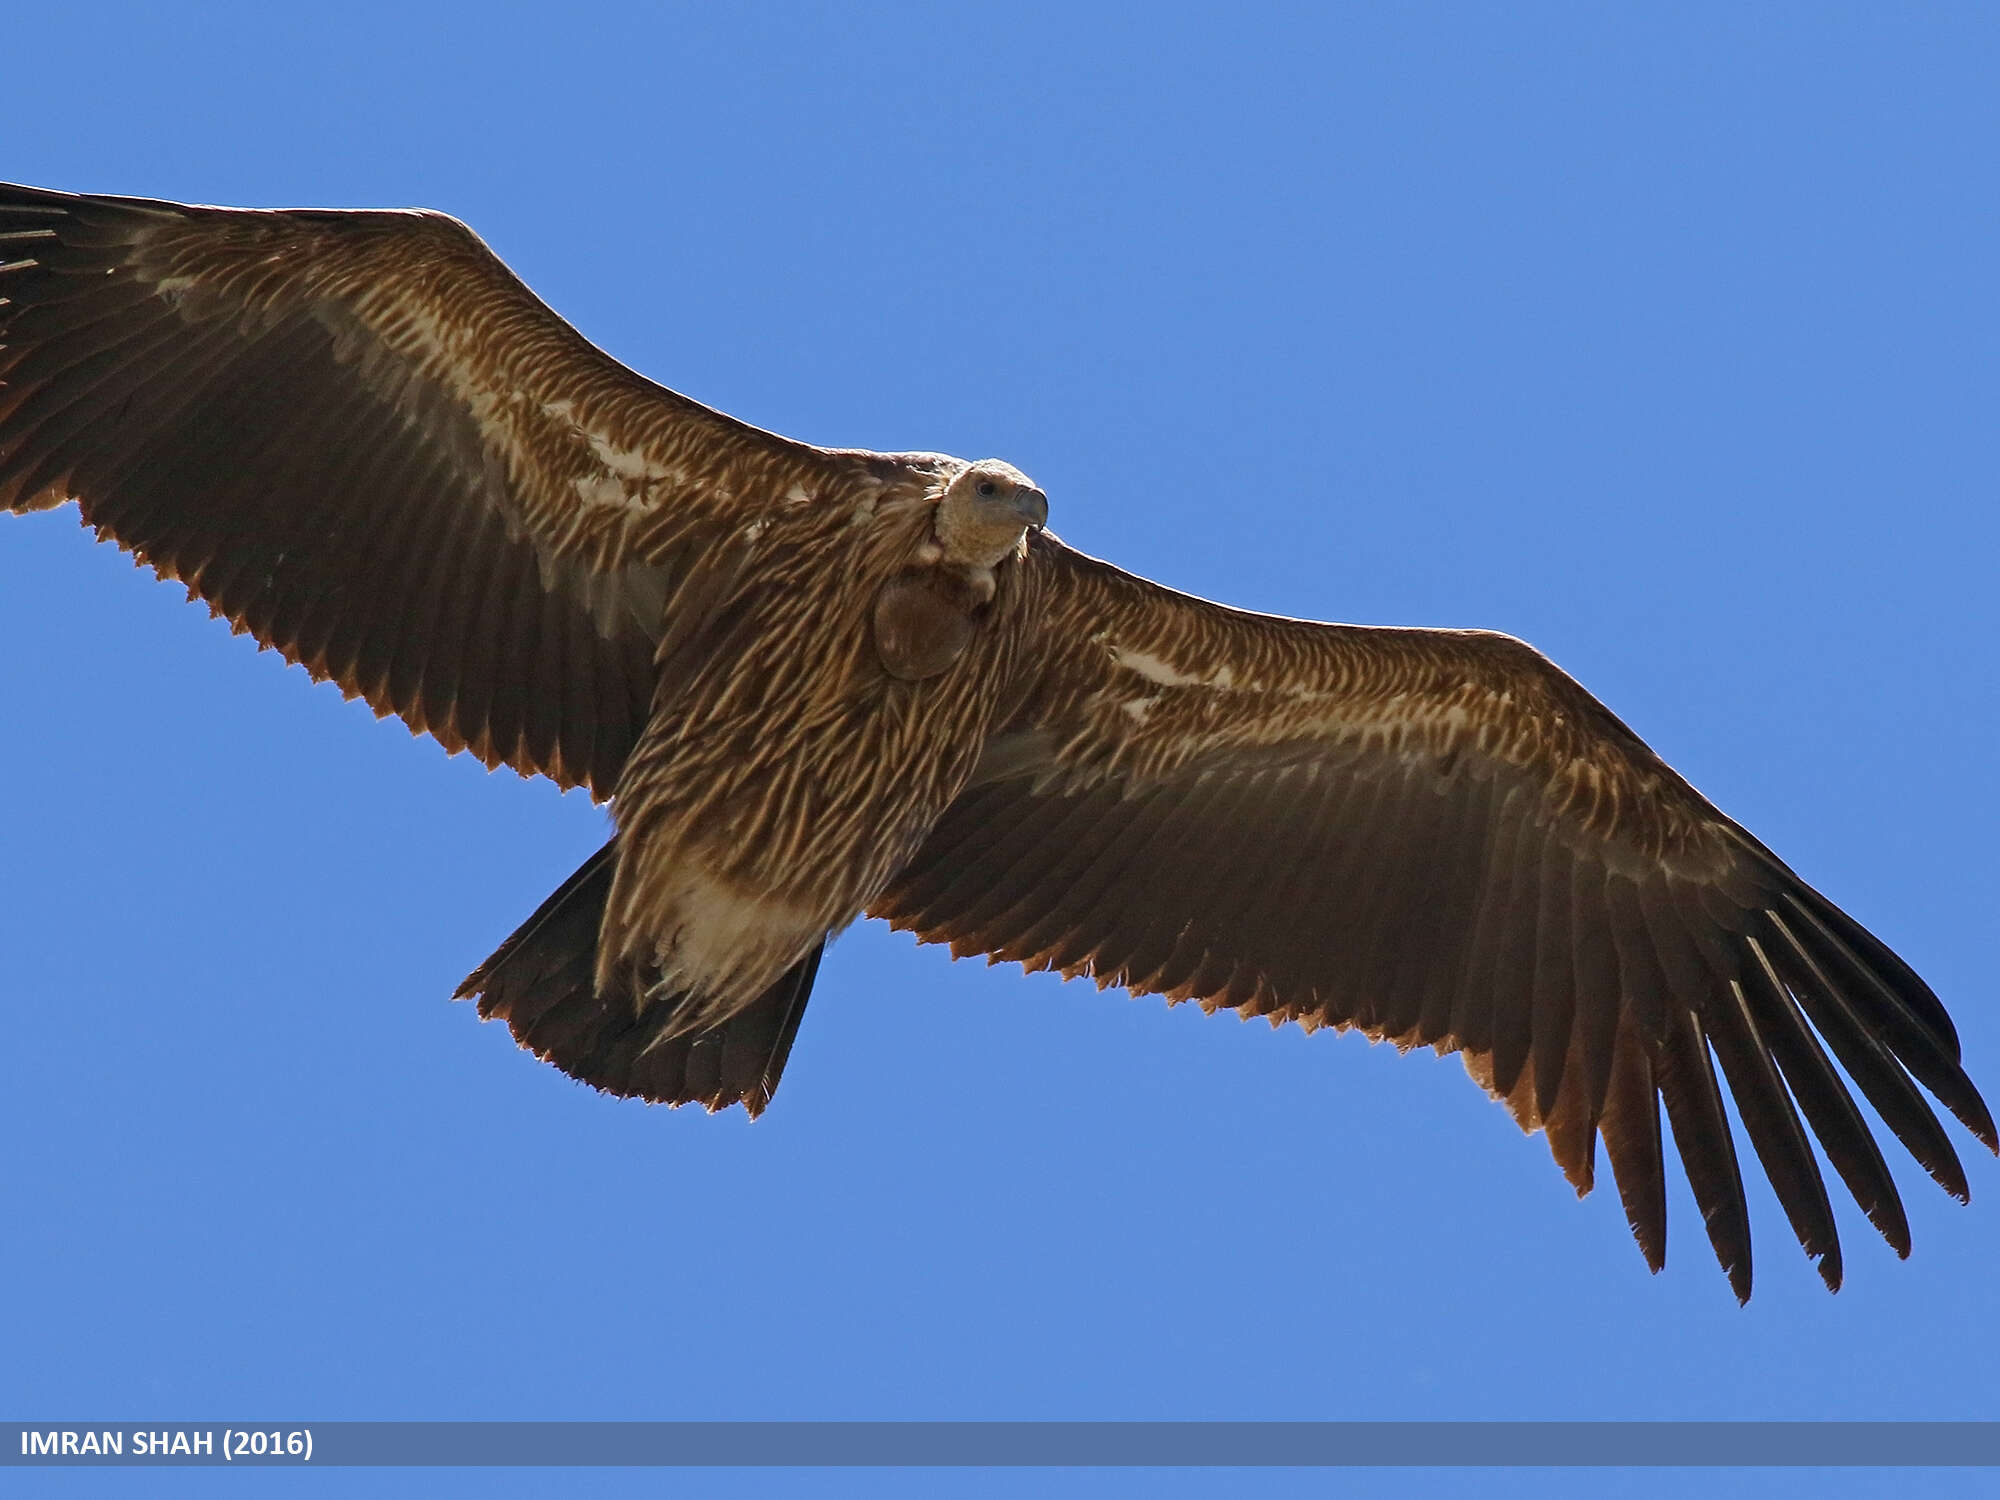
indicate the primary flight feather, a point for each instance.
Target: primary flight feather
{"x":819,"y":683}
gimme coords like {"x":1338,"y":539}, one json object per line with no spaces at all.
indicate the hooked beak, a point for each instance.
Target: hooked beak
{"x":1032,"y":506}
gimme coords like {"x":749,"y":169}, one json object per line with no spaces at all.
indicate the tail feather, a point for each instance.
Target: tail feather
{"x":541,"y":982}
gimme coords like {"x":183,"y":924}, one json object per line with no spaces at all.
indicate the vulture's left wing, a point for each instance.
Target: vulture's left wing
{"x":1437,"y":837}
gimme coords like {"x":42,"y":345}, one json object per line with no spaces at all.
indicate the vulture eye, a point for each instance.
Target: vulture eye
{"x":987,"y":487}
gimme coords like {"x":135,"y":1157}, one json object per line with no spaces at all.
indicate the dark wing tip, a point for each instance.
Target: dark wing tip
{"x":1896,"y":1003}
{"x":1980,"y":1122}
{"x":1882,"y":1041}
{"x":1738,"y":1272}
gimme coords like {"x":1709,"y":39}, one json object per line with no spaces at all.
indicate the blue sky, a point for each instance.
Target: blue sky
{"x":1666,"y":343}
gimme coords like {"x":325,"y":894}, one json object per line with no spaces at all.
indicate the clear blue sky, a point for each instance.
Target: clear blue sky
{"x":1670,"y":344}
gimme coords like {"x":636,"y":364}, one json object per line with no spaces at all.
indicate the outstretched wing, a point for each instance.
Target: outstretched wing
{"x":358,"y":437}
{"x":1439,"y":838}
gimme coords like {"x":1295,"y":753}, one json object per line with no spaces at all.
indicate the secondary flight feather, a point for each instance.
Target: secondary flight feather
{"x":819,"y":683}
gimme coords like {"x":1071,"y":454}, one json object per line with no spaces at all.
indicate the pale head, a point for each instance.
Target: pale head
{"x":985,"y":512}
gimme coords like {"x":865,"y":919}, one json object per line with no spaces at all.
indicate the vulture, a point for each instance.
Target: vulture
{"x":815,"y":684}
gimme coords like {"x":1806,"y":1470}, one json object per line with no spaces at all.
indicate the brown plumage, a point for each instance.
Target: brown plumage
{"x":815,"y":683}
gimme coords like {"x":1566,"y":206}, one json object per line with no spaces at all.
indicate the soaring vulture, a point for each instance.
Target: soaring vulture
{"x":817,"y":683}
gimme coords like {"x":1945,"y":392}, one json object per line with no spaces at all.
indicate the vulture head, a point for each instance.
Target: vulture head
{"x":985,"y":512}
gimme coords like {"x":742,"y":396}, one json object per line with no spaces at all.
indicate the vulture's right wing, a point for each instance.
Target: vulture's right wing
{"x":358,"y":437}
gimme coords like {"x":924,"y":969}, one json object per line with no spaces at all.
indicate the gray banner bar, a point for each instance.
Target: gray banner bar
{"x":962,"y":1444}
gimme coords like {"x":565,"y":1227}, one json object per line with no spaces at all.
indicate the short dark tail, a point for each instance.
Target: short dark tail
{"x":540,"y":983}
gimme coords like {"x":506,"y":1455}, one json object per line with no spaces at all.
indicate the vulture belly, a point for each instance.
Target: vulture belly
{"x":789,"y":769}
